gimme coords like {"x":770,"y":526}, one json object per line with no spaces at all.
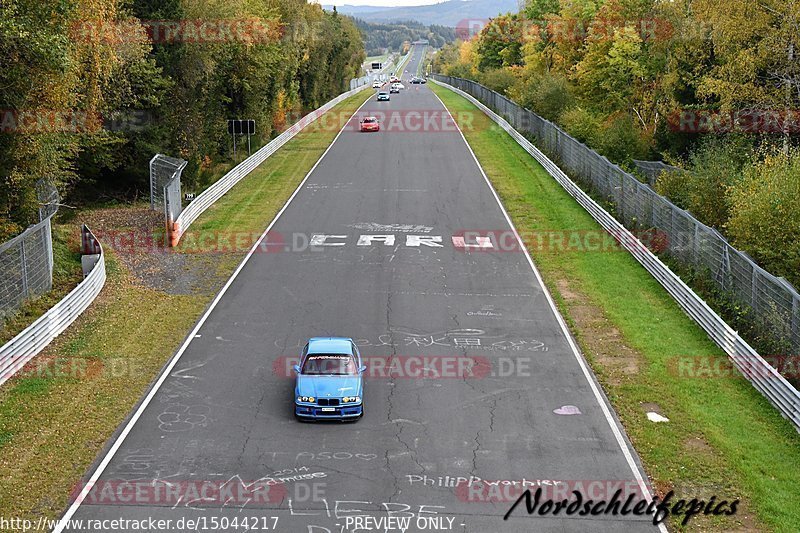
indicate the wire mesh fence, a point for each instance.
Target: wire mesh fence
{"x":773,"y":300}
{"x":173,"y":199}
{"x":163,"y":172}
{"x":26,"y":261}
{"x":165,"y":187}
{"x":651,"y":170}
{"x":16,"y":353}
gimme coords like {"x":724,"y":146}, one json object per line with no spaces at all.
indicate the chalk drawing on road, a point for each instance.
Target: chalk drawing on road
{"x":454,"y":338}
{"x":179,"y":417}
{"x":301,"y":457}
{"x":334,"y":186}
{"x":399,"y":228}
{"x":567,"y":410}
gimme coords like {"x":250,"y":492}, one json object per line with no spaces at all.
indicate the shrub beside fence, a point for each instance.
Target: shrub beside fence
{"x":774,"y":301}
{"x":689,"y":240}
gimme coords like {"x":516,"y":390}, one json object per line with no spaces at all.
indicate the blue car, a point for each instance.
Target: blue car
{"x":329,"y":381}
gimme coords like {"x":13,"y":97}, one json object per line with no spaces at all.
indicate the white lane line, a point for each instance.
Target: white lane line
{"x":615,"y":429}
{"x":194,"y":333}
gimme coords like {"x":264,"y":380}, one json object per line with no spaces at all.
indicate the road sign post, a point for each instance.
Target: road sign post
{"x":241,"y":127}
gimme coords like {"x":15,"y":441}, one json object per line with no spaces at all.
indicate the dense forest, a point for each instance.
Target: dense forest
{"x":90,"y":90}
{"x":710,"y":86}
{"x":391,"y":36}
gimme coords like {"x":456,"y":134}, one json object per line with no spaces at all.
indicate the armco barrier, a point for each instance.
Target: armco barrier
{"x":759,"y":372}
{"x":22,"y":348}
{"x":771,"y":303}
{"x":207,"y":198}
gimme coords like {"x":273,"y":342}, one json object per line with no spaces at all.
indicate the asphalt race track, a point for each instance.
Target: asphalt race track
{"x":505,"y":402}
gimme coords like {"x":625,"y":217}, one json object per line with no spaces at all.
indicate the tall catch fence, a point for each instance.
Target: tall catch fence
{"x":653,"y":169}
{"x":774,"y":301}
{"x":26,"y":261}
{"x":165,"y":171}
{"x":690,"y":241}
{"x":165,"y":186}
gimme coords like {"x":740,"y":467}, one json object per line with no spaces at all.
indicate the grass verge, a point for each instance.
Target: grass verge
{"x":723,"y":437}
{"x":56,"y":415}
{"x":67,"y":273}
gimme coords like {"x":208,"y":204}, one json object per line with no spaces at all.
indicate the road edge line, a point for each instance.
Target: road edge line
{"x":65,"y":518}
{"x":601,"y":397}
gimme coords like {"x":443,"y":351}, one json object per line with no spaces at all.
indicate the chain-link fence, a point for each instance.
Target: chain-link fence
{"x":28,"y":343}
{"x":172,"y":199}
{"x":164,"y":172}
{"x":165,"y":187}
{"x":774,"y":301}
{"x":651,"y":170}
{"x":26,"y":261}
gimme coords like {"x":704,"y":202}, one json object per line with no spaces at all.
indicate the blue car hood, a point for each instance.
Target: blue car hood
{"x":328,"y":386}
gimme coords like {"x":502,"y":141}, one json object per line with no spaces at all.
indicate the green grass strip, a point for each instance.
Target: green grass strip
{"x":723,"y":437}
{"x":58,"y":413}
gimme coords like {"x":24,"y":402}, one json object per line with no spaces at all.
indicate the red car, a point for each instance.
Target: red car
{"x":370,"y":124}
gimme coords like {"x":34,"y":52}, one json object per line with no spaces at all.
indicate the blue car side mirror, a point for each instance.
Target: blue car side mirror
{"x":296,"y":368}
{"x":362,"y":369}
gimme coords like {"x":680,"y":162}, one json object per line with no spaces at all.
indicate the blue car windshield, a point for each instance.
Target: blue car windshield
{"x":330,"y":365}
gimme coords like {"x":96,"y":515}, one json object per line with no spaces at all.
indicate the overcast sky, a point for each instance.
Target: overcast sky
{"x":387,"y":3}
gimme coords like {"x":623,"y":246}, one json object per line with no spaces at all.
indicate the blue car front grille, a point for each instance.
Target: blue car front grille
{"x":328,"y":402}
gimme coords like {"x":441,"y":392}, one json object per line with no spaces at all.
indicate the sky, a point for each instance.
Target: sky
{"x":387,"y":3}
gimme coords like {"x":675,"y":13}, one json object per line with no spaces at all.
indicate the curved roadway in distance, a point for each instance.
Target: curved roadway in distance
{"x":385,"y":207}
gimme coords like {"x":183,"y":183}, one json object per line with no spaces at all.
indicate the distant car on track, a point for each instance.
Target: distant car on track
{"x":394,"y":89}
{"x":369,"y":124}
{"x":383,"y":96}
{"x":376,"y":84}
{"x":329,"y":383}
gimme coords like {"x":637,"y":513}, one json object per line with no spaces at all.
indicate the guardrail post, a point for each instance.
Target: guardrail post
{"x":754,"y":289}
{"x":795,"y":327}
{"x":764,"y":377}
{"x":726,"y":266}
{"x":23,"y":268}
{"x":47,"y":244}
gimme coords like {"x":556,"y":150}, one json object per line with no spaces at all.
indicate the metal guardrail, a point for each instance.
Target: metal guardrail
{"x":207,"y":198}
{"x":33,"y":339}
{"x":758,"y":371}
{"x":771,"y":303}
